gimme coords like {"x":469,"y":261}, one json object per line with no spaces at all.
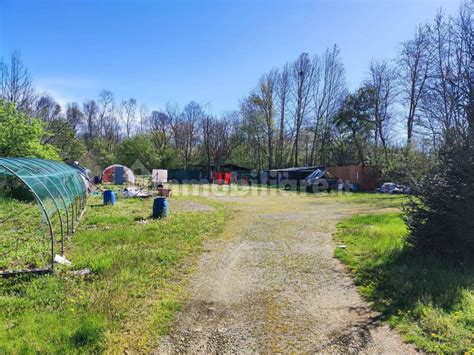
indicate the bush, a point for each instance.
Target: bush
{"x":440,"y":215}
{"x":139,"y":151}
{"x":406,"y":166}
{"x":20,"y":136}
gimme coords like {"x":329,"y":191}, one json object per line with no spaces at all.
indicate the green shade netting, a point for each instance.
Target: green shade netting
{"x":55,"y":185}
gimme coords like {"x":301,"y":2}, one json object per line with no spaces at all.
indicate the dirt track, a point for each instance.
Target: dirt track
{"x":271,"y":284}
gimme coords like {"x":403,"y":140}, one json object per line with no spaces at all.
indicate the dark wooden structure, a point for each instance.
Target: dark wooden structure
{"x":367,"y":179}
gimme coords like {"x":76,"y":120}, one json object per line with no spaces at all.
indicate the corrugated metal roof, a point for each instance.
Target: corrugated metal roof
{"x":298,"y":169}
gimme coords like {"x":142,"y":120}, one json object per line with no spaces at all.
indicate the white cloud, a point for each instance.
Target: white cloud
{"x":66,"y":83}
{"x":57,"y":95}
{"x":65,"y":89}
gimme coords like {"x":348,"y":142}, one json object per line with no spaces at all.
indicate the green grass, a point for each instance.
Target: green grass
{"x":139,"y":268}
{"x":21,"y":239}
{"x":430,"y":301}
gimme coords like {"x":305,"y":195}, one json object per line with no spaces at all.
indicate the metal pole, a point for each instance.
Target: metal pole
{"x":51,"y":232}
{"x":55,"y":204}
{"x":64,"y":202}
{"x":34,"y":162}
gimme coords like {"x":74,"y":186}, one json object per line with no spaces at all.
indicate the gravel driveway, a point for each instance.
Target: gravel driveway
{"x":271,"y":284}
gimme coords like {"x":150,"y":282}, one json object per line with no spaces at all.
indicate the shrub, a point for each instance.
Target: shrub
{"x":20,"y":136}
{"x":440,"y":215}
{"x":139,"y":150}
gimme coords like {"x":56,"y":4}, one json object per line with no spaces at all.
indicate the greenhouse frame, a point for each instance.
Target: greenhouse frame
{"x":56,"y":187}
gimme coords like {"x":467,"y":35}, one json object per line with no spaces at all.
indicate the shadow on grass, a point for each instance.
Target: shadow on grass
{"x":378,"y":200}
{"x":96,"y":206}
{"x":406,"y":279}
{"x":148,"y":217}
{"x":431,"y":300}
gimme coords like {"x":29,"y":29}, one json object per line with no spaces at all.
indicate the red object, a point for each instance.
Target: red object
{"x":108,"y":175}
{"x":222,"y":178}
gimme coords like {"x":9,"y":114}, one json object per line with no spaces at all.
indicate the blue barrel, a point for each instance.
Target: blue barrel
{"x":160,"y":207}
{"x":109,"y":197}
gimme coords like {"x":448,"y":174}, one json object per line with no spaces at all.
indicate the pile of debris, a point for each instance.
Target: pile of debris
{"x":393,"y":188}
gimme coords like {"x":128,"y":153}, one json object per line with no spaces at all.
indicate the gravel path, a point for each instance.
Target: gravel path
{"x":271,"y":284}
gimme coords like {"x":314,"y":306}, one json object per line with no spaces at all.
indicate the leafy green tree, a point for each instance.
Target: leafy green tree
{"x":354,"y":122}
{"x":139,"y":148}
{"x":100,"y":154}
{"x":20,"y":135}
{"x":406,"y":166}
{"x":63,"y":137}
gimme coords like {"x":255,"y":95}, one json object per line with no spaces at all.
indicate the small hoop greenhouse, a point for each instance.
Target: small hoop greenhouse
{"x":59,"y":191}
{"x":118,"y":174}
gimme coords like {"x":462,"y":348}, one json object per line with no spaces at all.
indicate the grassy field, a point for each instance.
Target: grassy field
{"x":139,"y":266}
{"x":431,"y":302}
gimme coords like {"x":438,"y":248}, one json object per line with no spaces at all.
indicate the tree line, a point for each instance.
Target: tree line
{"x":299,"y":114}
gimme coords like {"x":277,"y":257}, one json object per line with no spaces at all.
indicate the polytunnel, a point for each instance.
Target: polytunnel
{"x":56,"y":187}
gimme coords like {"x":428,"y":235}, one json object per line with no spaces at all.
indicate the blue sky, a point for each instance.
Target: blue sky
{"x":209,"y":51}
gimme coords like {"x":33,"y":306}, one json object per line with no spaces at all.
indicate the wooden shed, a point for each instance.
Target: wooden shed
{"x":366,"y":178}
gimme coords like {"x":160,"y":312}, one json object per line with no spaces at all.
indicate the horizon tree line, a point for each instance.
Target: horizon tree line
{"x":299,"y":114}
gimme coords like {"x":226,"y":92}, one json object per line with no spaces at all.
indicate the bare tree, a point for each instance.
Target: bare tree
{"x":283,"y":87}
{"x":106,"y":107}
{"x":465,"y":39}
{"x":303,"y":72}
{"x":185,"y":129}
{"x":144,"y":118}
{"x":264,"y":98}
{"x":465,"y":58}
{"x":414,"y":69}
{"x":108,"y":125}
{"x":16,"y":84}
{"x":446,"y":96}
{"x":112,"y":133}
{"x":462,"y":73}
{"x":328,"y":95}
{"x":220,"y":140}
{"x":253,"y":127}
{"x":381,"y":84}
{"x":74,"y":115}
{"x":47,"y":109}
{"x":216,"y":137}
{"x":160,"y":126}
{"x":127,"y":114}
{"x":90,"y":110}
{"x":207,"y":126}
